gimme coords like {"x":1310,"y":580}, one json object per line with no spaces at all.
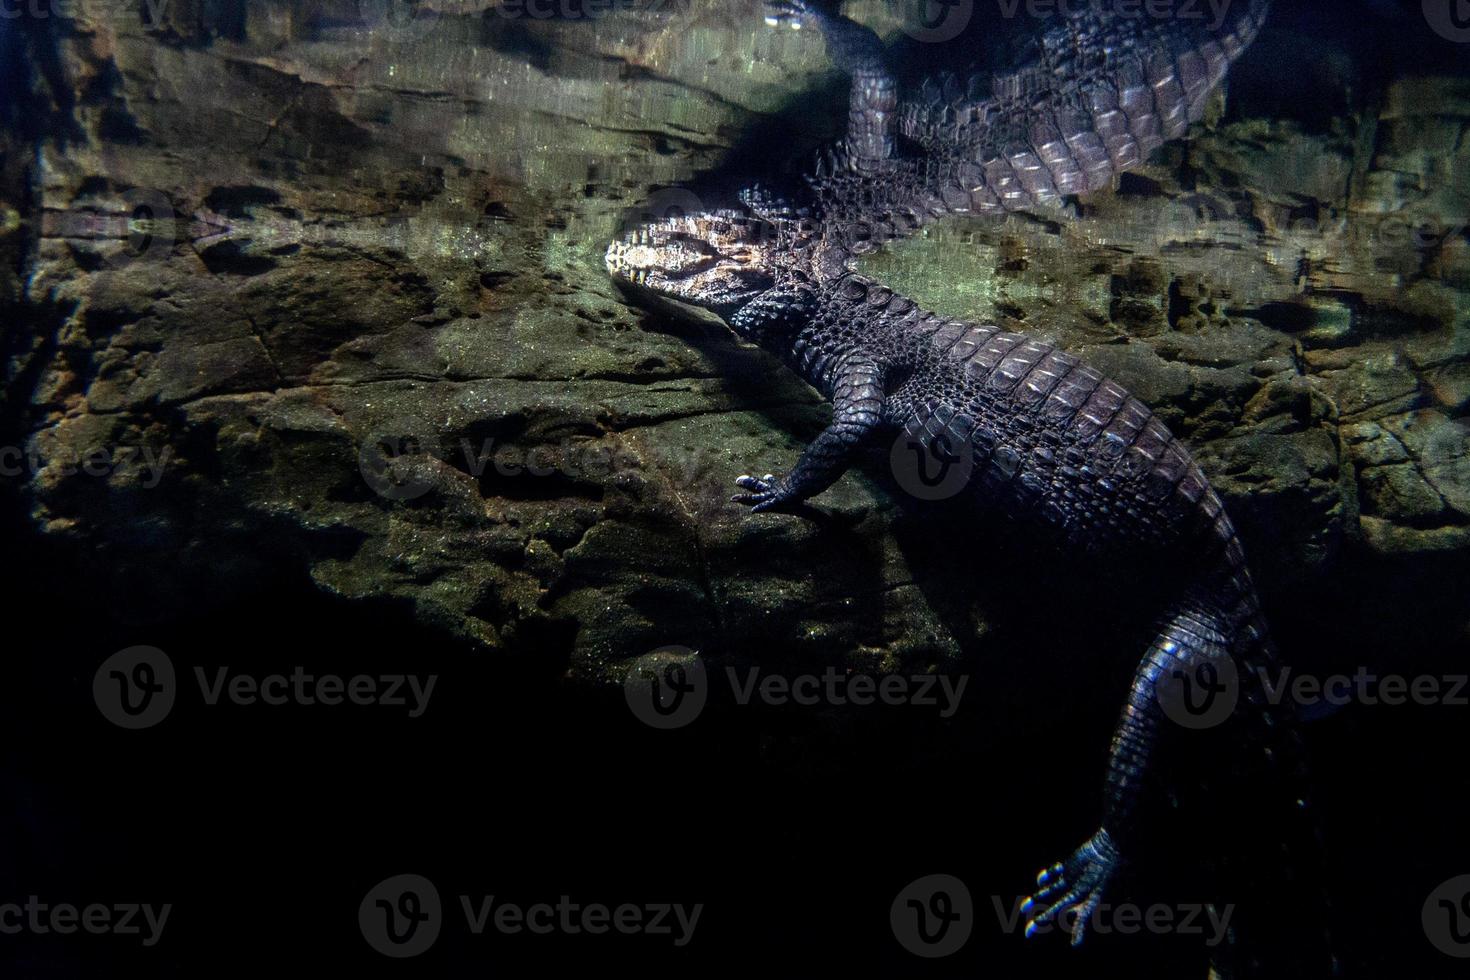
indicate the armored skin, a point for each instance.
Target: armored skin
{"x":1046,"y":439}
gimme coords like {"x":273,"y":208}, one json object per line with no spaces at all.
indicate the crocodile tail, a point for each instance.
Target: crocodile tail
{"x":1097,"y":94}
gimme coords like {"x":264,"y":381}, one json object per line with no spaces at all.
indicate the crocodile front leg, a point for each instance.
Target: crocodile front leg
{"x":857,"y":407}
{"x":872,"y":116}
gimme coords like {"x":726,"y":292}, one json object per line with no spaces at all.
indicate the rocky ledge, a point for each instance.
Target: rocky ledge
{"x":308,"y":284}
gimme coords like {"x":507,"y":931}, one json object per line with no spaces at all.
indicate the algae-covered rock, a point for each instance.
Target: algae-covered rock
{"x":362,"y":325}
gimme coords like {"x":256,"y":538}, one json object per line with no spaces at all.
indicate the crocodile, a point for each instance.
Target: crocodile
{"x":1040,"y":436}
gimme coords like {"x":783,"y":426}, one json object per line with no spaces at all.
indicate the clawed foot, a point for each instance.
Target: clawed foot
{"x":788,"y":13}
{"x":765,"y":493}
{"x":1073,"y":887}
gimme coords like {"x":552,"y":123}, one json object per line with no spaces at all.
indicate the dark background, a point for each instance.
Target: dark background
{"x":266,"y":826}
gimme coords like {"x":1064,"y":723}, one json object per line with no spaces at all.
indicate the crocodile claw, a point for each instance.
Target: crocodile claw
{"x":1073,"y":887}
{"x":765,"y":493}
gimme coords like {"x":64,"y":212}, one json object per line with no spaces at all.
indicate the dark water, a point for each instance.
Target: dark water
{"x":262,"y":236}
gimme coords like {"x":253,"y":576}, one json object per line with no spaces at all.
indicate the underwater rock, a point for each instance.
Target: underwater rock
{"x":362,"y":322}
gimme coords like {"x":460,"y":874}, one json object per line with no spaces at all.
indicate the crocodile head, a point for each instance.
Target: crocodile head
{"x":719,"y":260}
